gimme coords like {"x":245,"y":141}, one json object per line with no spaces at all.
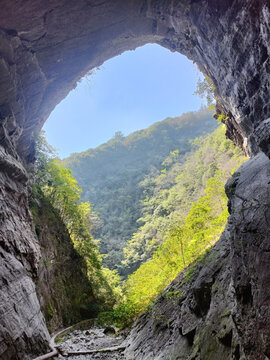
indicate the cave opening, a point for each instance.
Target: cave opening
{"x":145,"y":189}
{"x":140,"y":98}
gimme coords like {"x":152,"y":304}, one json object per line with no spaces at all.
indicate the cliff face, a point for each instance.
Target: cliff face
{"x":22,"y":326}
{"x":45,"y":47}
{"x":64,"y":291}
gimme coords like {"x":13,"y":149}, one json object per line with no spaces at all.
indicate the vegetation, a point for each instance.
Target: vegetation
{"x":186,"y":240}
{"x":110,"y":176}
{"x":206,"y":89}
{"x":62,"y":191}
{"x":185,"y":212}
{"x":167,"y":211}
{"x":169,"y":196}
{"x":67,"y":295}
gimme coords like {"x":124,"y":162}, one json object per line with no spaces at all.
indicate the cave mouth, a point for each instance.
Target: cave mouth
{"x":114,"y":187}
{"x":151,"y":79}
{"x":46,"y":49}
{"x":109,"y":192}
{"x":142,"y":33}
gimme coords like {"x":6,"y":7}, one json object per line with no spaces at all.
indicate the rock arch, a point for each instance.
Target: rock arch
{"x":47,"y":46}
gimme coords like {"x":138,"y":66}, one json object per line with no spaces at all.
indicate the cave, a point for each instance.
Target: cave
{"x":46,"y":47}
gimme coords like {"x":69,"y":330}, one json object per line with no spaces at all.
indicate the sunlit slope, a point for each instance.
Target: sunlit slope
{"x":184,"y":217}
{"x":184,"y":214}
{"x":170,"y":194}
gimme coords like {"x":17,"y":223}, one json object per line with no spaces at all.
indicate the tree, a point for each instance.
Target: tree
{"x":44,"y":152}
{"x":185,"y":242}
{"x":206,"y":90}
{"x":118,"y":135}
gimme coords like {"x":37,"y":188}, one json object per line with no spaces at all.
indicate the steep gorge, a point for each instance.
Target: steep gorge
{"x":45,"y":48}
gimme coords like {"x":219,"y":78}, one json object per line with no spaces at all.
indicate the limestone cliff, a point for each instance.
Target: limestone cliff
{"x":45,"y":48}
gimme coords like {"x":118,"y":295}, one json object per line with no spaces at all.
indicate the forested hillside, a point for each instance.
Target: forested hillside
{"x":180,"y":199}
{"x":110,"y":175}
{"x":170,"y":194}
{"x":184,"y":214}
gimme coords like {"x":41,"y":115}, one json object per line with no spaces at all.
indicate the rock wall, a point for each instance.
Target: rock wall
{"x":63,"y":288}
{"x":47,"y":46}
{"x":22,"y":326}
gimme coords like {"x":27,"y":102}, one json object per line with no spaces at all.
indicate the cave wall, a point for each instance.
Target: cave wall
{"x":47,"y":46}
{"x":22,"y":325}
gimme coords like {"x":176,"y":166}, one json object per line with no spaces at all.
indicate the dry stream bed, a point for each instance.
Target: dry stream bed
{"x":94,"y":343}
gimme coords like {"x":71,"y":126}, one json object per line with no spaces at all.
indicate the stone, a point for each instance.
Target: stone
{"x":109,"y":330}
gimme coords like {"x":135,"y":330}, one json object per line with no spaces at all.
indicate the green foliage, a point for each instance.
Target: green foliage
{"x":221,"y":118}
{"x":44,"y":152}
{"x":121,"y":317}
{"x":184,"y":244}
{"x":206,"y":90}
{"x":110,"y":175}
{"x":62,"y":191}
{"x":184,"y":214}
{"x":179,"y":206}
{"x":169,"y":196}
{"x":50,"y":310}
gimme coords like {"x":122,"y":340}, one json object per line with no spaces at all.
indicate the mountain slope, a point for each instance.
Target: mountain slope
{"x":170,"y":194}
{"x":110,"y":174}
{"x":183,"y":219}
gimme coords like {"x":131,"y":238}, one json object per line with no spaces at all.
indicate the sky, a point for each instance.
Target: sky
{"x":128,"y":93}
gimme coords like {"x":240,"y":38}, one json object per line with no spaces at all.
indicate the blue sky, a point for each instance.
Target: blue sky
{"x":128,"y":93}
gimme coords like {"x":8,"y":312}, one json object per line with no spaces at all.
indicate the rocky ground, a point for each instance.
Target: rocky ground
{"x":105,"y":344}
